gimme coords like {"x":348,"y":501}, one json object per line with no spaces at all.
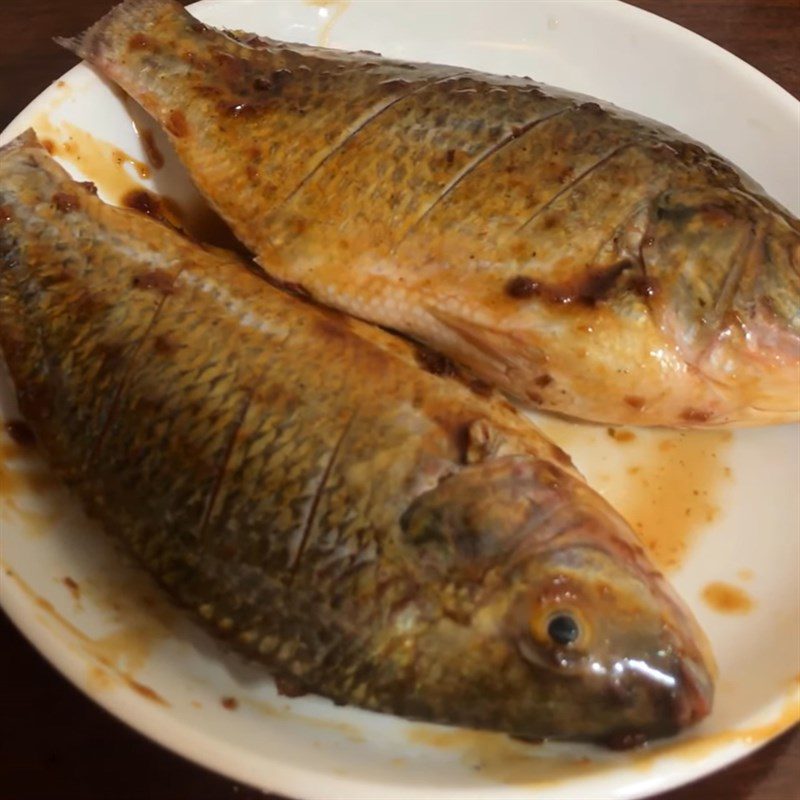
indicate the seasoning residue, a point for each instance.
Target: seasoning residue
{"x":666,"y":483}
{"x":151,"y":148}
{"x":672,"y":494}
{"x":727,"y":599}
{"x":22,"y":475}
{"x":346,"y":729}
{"x":621,"y":435}
{"x":231,"y":703}
{"x":107,"y":166}
{"x":119,"y":654}
{"x":101,"y":162}
{"x":73,"y":587}
{"x":508,"y":761}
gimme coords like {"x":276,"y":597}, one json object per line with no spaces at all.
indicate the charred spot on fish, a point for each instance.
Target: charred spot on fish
{"x":634,"y":401}
{"x":289,"y":687}
{"x":5,"y":214}
{"x":86,"y":304}
{"x":65,"y":202}
{"x":332,"y":326}
{"x":176,"y":123}
{"x":229,"y":703}
{"x":543,"y":380}
{"x":450,"y":157}
{"x":34,"y":399}
{"x":197,"y":26}
{"x":154,"y":155}
{"x":90,"y":187}
{"x":521,"y":287}
{"x":551,"y":221}
{"x":207,"y":91}
{"x":164,"y":345}
{"x":154,"y":279}
{"x":535,"y":397}
{"x":479,"y":387}
{"x":561,"y":456}
{"x":54,"y":278}
{"x":689,"y":151}
{"x":566,"y":174}
{"x":661,"y":152}
{"x":591,"y":108}
{"x":696,"y":415}
{"x":113,"y":354}
{"x":232,"y":68}
{"x":434,"y":362}
{"x":139,"y":42}
{"x":293,"y":288}
{"x":280,"y":76}
{"x":394,"y":84}
{"x":598,"y":284}
{"x":643,"y":286}
{"x":20,"y":432}
{"x":142,"y":201}
{"x":262,"y":84}
{"x":626,"y":740}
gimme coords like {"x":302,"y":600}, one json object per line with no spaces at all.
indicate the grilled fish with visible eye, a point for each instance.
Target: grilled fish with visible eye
{"x":585,"y":260}
{"x":372,"y":532}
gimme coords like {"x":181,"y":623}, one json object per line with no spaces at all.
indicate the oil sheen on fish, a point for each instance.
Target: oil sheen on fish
{"x":586,"y":260}
{"x":373,"y":532}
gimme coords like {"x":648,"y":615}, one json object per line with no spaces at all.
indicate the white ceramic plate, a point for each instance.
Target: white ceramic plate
{"x":716,"y":508}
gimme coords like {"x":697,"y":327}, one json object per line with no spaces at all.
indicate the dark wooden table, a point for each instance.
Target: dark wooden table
{"x":54,"y":743}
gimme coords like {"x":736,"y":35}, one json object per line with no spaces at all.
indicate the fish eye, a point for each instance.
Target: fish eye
{"x":563,"y":629}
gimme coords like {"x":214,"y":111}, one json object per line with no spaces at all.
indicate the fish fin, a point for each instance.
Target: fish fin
{"x":129,"y":15}
{"x":27,"y":138}
{"x":500,"y":353}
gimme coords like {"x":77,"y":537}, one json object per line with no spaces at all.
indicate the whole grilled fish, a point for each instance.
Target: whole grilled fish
{"x":584,"y":259}
{"x":374,"y":533}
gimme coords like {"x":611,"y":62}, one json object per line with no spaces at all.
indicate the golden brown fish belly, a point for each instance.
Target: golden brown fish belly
{"x":370,"y":531}
{"x":586,"y":260}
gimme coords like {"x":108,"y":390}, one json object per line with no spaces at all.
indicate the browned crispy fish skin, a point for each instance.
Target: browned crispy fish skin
{"x":372,"y":532}
{"x":585,"y":260}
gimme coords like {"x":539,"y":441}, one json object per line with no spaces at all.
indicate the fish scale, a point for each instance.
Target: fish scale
{"x":368,"y":530}
{"x":486,"y":216}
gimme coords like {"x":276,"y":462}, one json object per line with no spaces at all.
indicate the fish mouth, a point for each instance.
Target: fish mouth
{"x":695,"y":694}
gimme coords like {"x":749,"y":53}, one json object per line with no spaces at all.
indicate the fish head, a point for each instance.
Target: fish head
{"x":575,"y":632}
{"x":723,"y":275}
{"x":602,"y":630}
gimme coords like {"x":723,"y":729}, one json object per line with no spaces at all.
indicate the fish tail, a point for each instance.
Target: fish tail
{"x":107,"y":35}
{"x":27,"y":138}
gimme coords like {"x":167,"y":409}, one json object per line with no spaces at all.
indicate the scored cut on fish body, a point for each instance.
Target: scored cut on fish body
{"x":583,"y":259}
{"x":372,"y":532}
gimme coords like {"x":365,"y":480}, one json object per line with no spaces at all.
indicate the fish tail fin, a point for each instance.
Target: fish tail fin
{"x":107,"y":35}
{"x":27,"y":138}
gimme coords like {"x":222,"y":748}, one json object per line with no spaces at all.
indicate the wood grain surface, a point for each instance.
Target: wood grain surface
{"x":55,"y":743}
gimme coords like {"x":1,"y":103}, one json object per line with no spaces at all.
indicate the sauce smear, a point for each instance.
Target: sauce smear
{"x":727,"y":599}
{"x":667,"y":484}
